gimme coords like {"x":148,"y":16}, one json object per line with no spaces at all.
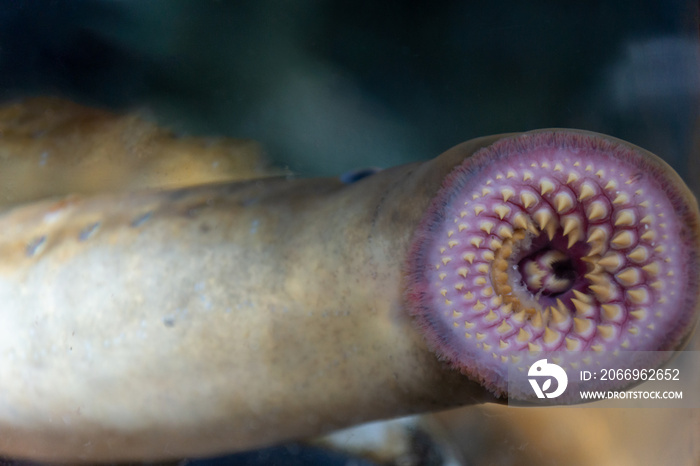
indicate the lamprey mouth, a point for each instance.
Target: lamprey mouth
{"x":554,"y":242}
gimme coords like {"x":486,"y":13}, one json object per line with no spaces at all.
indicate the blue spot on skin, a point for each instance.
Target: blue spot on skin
{"x":254,"y":227}
{"x":44,"y":158}
{"x":87,"y":232}
{"x":34,"y":246}
{"x":141,"y":220}
{"x":356,"y":175}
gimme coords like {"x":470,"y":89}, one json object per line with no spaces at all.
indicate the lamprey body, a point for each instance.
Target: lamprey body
{"x":203,"y":320}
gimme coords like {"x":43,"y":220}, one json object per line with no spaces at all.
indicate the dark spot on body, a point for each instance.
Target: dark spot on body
{"x":141,"y":220}
{"x":356,"y":175}
{"x":35,"y":245}
{"x":88,"y":231}
{"x":169,"y":321}
{"x":204,"y":228}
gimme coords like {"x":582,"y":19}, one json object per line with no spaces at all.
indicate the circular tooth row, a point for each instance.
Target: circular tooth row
{"x":629,"y":268}
{"x":559,"y":243}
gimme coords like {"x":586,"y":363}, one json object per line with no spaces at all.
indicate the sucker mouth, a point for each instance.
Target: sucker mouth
{"x":553,"y":242}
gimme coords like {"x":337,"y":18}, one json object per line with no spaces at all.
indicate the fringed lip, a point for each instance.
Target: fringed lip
{"x":554,"y":242}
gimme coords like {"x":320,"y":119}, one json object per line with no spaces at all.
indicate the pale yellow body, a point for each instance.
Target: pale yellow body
{"x":213,"y":319}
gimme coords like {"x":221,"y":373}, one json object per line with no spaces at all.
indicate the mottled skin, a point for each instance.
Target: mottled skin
{"x":234,"y":316}
{"x":216,"y":318}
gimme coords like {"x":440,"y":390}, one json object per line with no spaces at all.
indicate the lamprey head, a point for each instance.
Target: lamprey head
{"x":561,"y":243}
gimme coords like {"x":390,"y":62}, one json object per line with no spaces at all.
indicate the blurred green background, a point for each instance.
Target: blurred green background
{"x":333,"y":86}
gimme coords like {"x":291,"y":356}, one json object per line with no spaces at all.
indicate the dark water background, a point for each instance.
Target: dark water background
{"x":332,"y":86}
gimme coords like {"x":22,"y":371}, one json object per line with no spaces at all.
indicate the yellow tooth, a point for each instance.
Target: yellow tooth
{"x":581,"y":326}
{"x":543,"y":217}
{"x":563,"y":202}
{"x":597,"y":248}
{"x":649,"y":235}
{"x":519,"y":317}
{"x":550,"y":336}
{"x":507,"y":193}
{"x":476,"y":242}
{"x":501,"y":265}
{"x":572,"y":229}
{"x":495,"y":244}
{"x":571,"y":344}
{"x":503,"y":345}
{"x":596,"y":211}
{"x":469,"y":257}
{"x":582,"y":308}
{"x":625,"y":218}
{"x":488,"y":256}
{"x":647,"y":219}
{"x":597,"y":234}
{"x":606,"y":331}
{"x":537,"y":321}
{"x":463,"y":271}
{"x":597,"y":278}
{"x":486,"y":227}
{"x":507,"y":309}
{"x":611,"y":261}
{"x":557,"y":316}
{"x":546,"y":186}
{"x":589,"y":168}
{"x":638,"y":314}
{"x":571,"y":178}
{"x":527,"y":199}
{"x":482,"y":268}
{"x":501,"y":211}
{"x":523,"y":336}
{"x":633,"y":330}
{"x":611,"y":185}
{"x":586,"y":191}
{"x":479,"y":306}
{"x":602,"y":291}
{"x":597,"y":348}
{"x":497,"y":301}
{"x":623,"y":239}
{"x":459,"y":286}
{"x":480,"y":336}
{"x":452,"y":243}
{"x":462,"y":227}
{"x":644,"y":204}
{"x":491,"y":316}
{"x":446,"y":260}
{"x":611,"y":311}
{"x":628,"y":277}
{"x":621,"y":198}
{"x":510,"y":174}
{"x":651,"y":268}
{"x":558,"y":167}
{"x":478,"y":209}
{"x":639,"y":254}
{"x":638,"y":295}
{"x":527,"y":175}
{"x":485,"y":191}
{"x":505,"y":327}
{"x":505,"y":232}
{"x":583,"y":297}
{"x":534,"y":348}
{"x":519,"y":221}
{"x":600,"y":173}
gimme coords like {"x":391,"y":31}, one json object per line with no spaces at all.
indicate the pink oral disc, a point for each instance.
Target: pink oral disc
{"x":561,"y":242}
